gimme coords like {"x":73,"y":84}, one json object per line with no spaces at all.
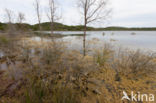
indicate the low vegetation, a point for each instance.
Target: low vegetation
{"x":48,"y":72}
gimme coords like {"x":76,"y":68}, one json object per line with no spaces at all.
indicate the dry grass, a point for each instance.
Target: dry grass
{"x":53,"y":74}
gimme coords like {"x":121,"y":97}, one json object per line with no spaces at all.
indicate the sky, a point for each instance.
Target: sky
{"x":127,"y":13}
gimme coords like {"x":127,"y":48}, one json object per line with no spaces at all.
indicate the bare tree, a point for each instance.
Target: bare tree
{"x":9,"y":15}
{"x":10,"y":20}
{"x":21,"y":18}
{"x":52,"y":14}
{"x":92,"y":10}
{"x":38,"y":12}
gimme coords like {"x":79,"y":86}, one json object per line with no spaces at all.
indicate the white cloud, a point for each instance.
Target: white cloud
{"x":134,"y":11}
{"x":125,"y":12}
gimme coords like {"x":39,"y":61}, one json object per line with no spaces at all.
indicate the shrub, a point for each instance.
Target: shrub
{"x":3,"y":40}
{"x":103,"y":55}
{"x":52,"y":52}
{"x":134,"y":62}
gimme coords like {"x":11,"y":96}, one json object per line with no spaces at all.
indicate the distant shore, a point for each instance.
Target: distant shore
{"x":61,"y":27}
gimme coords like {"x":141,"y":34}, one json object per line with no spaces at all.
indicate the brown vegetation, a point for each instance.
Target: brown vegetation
{"x":48,"y":72}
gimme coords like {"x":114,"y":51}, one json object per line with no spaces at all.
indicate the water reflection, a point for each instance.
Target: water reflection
{"x":144,"y":40}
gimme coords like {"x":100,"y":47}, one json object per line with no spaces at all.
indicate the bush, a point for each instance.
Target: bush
{"x":134,"y":62}
{"x":58,"y":75}
{"x":3,"y":40}
{"x":103,"y":55}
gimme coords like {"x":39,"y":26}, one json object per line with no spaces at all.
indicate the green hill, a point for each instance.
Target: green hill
{"x":2,"y":26}
{"x":24,"y":26}
{"x":127,"y":29}
{"x":61,"y":27}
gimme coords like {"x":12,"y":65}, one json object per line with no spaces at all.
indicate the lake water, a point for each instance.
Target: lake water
{"x":144,"y":40}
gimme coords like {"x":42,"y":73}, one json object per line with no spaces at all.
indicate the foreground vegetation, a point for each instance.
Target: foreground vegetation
{"x":47,"y":72}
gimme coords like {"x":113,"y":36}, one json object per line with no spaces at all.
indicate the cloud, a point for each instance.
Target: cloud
{"x":134,"y":13}
{"x":125,"y":12}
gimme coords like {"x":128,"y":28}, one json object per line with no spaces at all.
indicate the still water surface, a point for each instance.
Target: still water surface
{"x":144,"y":40}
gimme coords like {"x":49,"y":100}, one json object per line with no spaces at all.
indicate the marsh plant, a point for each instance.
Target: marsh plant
{"x":52,"y":51}
{"x":55,"y":74}
{"x":136,"y":63}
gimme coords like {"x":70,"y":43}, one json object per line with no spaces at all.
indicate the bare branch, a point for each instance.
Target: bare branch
{"x":21,"y":17}
{"x":92,"y":10}
{"x":37,"y":9}
{"x":9,"y":15}
{"x":10,"y":27}
{"x":52,"y":14}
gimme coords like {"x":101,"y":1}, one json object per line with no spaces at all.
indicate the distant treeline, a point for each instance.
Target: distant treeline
{"x":127,"y":29}
{"x":61,"y":27}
